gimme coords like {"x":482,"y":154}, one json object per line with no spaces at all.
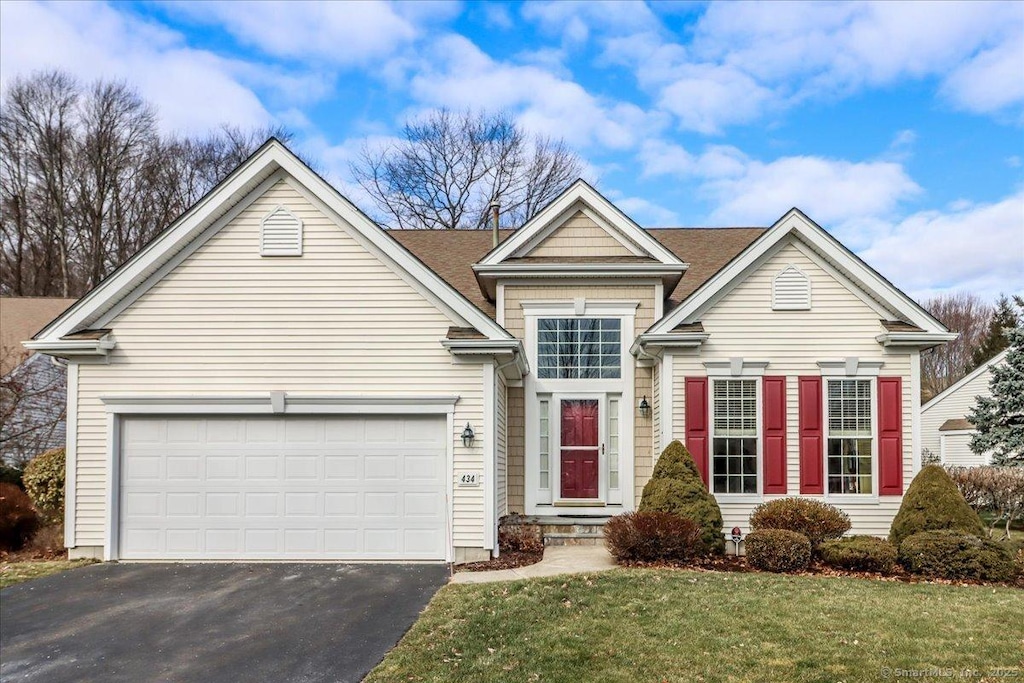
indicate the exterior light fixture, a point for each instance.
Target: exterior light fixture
{"x":645,"y":408}
{"x":468,"y":436}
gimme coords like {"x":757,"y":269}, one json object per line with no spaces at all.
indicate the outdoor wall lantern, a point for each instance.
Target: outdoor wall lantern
{"x":468,"y":436}
{"x":645,"y":408}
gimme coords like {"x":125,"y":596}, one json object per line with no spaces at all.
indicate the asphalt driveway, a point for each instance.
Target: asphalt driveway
{"x":210,"y":622}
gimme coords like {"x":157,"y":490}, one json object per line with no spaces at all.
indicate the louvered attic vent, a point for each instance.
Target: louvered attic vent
{"x":791,"y":290}
{"x":281,"y":234}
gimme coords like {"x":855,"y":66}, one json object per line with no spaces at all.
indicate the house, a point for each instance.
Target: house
{"x":276,"y":377}
{"x":945,"y":429}
{"x":33,"y":393}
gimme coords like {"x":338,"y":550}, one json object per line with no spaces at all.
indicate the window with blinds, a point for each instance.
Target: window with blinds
{"x":734,"y":436}
{"x":850,"y":436}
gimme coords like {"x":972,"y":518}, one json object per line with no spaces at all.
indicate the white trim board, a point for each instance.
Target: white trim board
{"x":271,"y":158}
{"x":797,"y":226}
{"x":287,"y":404}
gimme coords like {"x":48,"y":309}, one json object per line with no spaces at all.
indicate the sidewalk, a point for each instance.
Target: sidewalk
{"x":563,"y":559}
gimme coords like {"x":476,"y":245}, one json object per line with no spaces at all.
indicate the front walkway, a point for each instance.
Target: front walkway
{"x":559,"y":559}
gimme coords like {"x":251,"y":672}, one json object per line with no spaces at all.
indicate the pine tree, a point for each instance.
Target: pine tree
{"x":1000,"y":419}
{"x":1006,"y":317}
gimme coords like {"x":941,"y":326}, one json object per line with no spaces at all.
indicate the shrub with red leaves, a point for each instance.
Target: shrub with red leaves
{"x":653,"y":537}
{"x":18,"y":521}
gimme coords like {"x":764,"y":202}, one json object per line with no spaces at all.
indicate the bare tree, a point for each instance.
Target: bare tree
{"x":86,"y":179}
{"x":448,"y":167}
{"x":962,"y":312}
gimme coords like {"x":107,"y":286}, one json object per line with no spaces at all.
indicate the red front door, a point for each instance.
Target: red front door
{"x":579,"y":457}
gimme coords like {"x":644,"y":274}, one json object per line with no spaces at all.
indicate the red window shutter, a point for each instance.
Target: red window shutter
{"x":774,"y":430}
{"x":890,"y":436}
{"x":696,"y":395}
{"x":812,"y":438}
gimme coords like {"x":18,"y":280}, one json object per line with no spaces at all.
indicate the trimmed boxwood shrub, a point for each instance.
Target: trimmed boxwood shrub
{"x":653,"y":536}
{"x":44,"y":484}
{"x":933,"y":503}
{"x":778,"y":550}
{"x":18,"y":521}
{"x":814,"y":519}
{"x":955,"y":555}
{"x":859,"y":553}
{"x":676,"y":487}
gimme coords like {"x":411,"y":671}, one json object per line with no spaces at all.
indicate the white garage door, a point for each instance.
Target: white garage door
{"x":359,"y":488}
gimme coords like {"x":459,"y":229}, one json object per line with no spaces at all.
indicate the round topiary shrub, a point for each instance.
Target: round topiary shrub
{"x":653,"y":536}
{"x":859,"y":554}
{"x":956,"y":555}
{"x":778,"y":550}
{"x":44,"y":484}
{"x":676,"y":487}
{"x":814,"y":519}
{"x":18,"y":521}
{"x":933,"y":503}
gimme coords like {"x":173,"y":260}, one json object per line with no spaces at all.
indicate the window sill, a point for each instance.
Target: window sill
{"x":852,"y":499}
{"x":739,"y":498}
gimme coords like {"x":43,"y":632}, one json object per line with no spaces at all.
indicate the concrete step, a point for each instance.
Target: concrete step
{"x":573,"y":539}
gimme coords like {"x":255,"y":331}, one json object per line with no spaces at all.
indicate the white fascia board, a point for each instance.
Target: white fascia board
{"x":651,"y":344}
{"x":134,"y":271}
{"x":264,"y":163}
{"x":916,"y":340}
{"x":580,"y":191}
{"x":64,"y":348}
{"x":576,"y":269}
{"x":263,"y":404}
{"x":952,"y":389}
{"x":795,"y":222}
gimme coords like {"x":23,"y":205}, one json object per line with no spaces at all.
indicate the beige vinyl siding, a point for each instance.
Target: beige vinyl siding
{"x":838,"y":325}
{"x":655,"y":402}
{"x":954,"y":406}
{"x":335,"y":321}
{"x":500,"y":445}
{"x":516,"y":450}
{"x":515,"y":324}
{"x":579,"y":236}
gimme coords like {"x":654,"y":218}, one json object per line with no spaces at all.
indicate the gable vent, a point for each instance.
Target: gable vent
{"x":281,"y":233}
{"x":791,"y":290}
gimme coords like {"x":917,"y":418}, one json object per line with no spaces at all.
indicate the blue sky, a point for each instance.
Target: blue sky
{"x":899,"y":127}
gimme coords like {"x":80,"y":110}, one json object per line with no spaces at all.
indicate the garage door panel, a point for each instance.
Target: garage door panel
{"x":283,"y":488}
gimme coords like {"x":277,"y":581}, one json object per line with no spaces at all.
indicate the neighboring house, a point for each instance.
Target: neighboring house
{"x":32,"y":386}
{"x":945,"y":430}
{"x":276,"y":377}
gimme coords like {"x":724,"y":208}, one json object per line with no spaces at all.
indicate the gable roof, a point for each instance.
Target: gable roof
{"x":452,"y":253}
{"x":20,"y":318}
{"x":269,"y":164}
{"x":581,"y":196}
{"x":966,"y":379}
{"x":796,"y":224}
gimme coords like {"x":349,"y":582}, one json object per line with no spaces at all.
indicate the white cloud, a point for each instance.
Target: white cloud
{"x":339,"y":33}
{"x":760,"y":57}
{"x":575,"y":20}
{"x":647,"y":213}
{"x":457,"y":74}
{"x":978,"y":248}
{"x":94,"y":40}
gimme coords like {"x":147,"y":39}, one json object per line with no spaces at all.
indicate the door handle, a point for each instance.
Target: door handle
{"x":602,"y":449}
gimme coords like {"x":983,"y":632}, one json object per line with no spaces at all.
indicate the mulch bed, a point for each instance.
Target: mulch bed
{"x":509,"y":559}
{"x":731,"y":563}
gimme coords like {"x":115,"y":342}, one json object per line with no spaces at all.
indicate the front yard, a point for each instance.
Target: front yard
{"x":664,"y":625}
{"x":25,"y":570}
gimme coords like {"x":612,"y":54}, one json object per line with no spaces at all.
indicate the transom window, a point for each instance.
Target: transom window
{"x":579,"y":348}
{"x":734,"y":436}
{"x":849,"y":436}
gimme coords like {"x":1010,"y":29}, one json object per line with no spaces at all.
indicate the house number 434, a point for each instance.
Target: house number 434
{"x":469,"y":479}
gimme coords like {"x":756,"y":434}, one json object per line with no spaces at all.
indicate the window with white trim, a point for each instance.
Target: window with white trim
{"x":545,"y":445}
{"x":734,"y":436}
{"x":850,"y":437}
{"x":579,"y":348}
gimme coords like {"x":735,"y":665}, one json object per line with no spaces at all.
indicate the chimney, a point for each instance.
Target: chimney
{"x":495,"y":211}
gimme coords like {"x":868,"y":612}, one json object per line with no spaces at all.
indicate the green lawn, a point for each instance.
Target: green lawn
{"x":663,"y":625}
{"x":26,"y":570}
